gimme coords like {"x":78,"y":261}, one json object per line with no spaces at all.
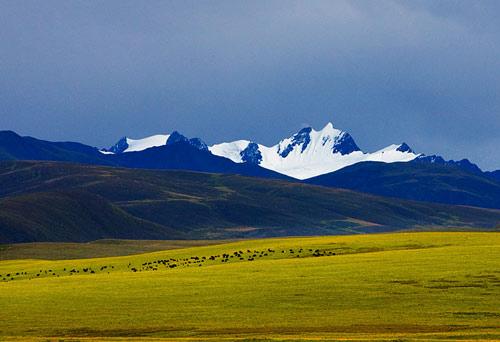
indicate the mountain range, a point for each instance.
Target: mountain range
{"x":310,"y":153}
{"x":179,"y":153}
{"x":328,"y":157}
{"x":305,"y":154}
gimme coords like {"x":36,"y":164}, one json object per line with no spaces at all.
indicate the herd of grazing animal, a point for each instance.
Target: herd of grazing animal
{"x":172,"y":263}
{"x":49,"y":272}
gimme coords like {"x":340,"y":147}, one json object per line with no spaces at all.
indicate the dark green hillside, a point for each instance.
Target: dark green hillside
{"x":49,"y":201}
{"x":71,"y":216}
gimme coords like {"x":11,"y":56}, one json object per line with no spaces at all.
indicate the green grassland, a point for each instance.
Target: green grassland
{"x":405,"y":286}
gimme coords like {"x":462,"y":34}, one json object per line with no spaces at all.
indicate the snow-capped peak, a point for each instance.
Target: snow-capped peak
{"x":145,"y":143}
{"x":126,"y":144}
{"x":309,"y":140}
{"x":305,"y":154}
{"x":176,"y":138}
{"x":310,"y":153}
{"x":392,"y":153}
{"x":329,"y":130}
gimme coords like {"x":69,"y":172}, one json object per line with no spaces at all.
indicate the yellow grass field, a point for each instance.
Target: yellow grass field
{"x":403,"y":286}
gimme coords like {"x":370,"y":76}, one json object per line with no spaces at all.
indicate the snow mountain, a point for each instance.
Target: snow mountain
{"x":309,"y":153}
{"x":306,"y":154}
{"x":126,"y":144}
{"x":135,"y":145}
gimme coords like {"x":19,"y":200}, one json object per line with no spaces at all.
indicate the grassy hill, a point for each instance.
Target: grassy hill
{"x":425,"y":286}
{"x":49,"y":201}
{"x":417,"y":181}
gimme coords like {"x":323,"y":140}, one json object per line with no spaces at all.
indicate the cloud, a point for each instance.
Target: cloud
{"x":423,"y":72}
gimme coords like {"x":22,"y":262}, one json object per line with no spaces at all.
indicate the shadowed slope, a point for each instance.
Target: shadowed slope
{"x":417,"y":181}
{"x":47,"y":201}
{"x":181,"y":154}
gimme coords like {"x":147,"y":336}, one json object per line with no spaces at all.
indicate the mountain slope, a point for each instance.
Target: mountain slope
{"x":125,"y":144}
{"x":494,"y":174}
{"x":178,"y":152}
{"x":310,"y":153}
{"x":417,"y":181}
{"x":135,"y":145}
{"x":47,"y":201}
{"x":463,"y":164}
{"x":71,"y":216}
{"x":184,"y":156}
{"x":15,"y":147}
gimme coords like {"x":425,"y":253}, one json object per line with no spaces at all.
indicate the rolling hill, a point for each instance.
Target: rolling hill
{"x":380,"y":287}
{"x":417,"y":181}
{"x":50,"y":201}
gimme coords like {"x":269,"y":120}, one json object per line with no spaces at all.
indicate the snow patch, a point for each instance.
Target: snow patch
{"x":230,"y":150}
{"x":136,"y":145}
{"x":320,"y":152}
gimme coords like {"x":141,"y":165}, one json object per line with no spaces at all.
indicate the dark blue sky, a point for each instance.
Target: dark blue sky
{"x":424,"y":72}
